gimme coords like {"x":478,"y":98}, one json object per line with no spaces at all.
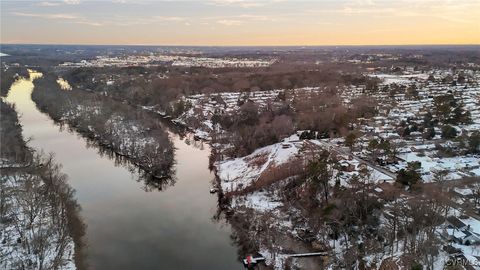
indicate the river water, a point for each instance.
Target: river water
{"x":129,"y":227}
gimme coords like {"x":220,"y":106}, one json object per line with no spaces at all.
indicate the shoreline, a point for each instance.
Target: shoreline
{"x":69,"y":250}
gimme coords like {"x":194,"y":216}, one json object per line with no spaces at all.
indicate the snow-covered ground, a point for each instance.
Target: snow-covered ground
{"x":241,"y":172}
{"x":30,"y":234}
{"x":400,"y":79}
{"x":456,"y":167}
{"x":203,"y":107}
{"x":174,"y":60}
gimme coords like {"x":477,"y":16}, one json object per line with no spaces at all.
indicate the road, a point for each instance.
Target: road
{"x":338,"y":150}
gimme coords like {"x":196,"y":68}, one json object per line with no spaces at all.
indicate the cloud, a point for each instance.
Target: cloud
{"x":237,"y":19}
{"x":230,"y":22}
{"x":168,"y":18}
{"x":243,"y":3}
{"x":129,"y":21}
{"x":89,"y":23}
{"x":351,"y":10}
{"x":447,"y":10}
{"x":48,"y":4}
{"x":115,"y":21}
{"x":71,"y":2}
{"x":364,"y":2}
{"x":58,"y":3}
{"x":255,"y":17}
{"x":59,"y":16}
{"x":48,"y":16}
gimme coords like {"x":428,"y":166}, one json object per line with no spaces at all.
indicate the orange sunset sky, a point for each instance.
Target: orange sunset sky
{"x":237,"y":22}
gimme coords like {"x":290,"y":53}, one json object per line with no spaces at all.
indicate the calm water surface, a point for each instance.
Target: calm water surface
{"x":129,"y":228}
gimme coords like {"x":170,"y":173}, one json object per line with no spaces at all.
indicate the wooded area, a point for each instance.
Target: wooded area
{"x":128,"y":131}
{"x":41,"y":223}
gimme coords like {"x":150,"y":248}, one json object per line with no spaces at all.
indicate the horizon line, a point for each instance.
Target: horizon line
{"x":280,"y":45}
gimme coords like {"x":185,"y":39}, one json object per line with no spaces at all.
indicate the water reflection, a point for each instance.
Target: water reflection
{"x":64,"y":84}
{"x":128,"y":228}
{"x":149,"y":181}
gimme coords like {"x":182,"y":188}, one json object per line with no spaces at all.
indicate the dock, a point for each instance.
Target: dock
{"x":252,"y":261}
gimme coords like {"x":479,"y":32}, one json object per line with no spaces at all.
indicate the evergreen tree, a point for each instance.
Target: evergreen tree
{"x":449,"y":132}
{"x":474,"y":142}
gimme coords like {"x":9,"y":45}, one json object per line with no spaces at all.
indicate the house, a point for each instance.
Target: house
{"x":470,"y":238}
{"x":456,"y":223}
{"x":459,"y":232}
{"x":452,"y":235}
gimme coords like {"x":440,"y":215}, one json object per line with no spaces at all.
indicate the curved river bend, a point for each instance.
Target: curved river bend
{"x":129,"y":228}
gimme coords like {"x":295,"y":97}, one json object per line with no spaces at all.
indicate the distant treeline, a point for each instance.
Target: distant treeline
{"x":161,"y":85}
{"x":120,"y":127}
{"x":39,"y":216}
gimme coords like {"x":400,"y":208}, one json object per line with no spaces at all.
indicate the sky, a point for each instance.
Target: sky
{"x":241,"y":22}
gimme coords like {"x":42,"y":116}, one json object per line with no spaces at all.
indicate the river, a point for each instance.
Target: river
{"x":129,"y":227}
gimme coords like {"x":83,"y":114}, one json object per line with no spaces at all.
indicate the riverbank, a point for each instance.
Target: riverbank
{"x":250,"y":191}
{"x":132,"y":225}
{"x":128,"y":132}
{"x":40,"y":222}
